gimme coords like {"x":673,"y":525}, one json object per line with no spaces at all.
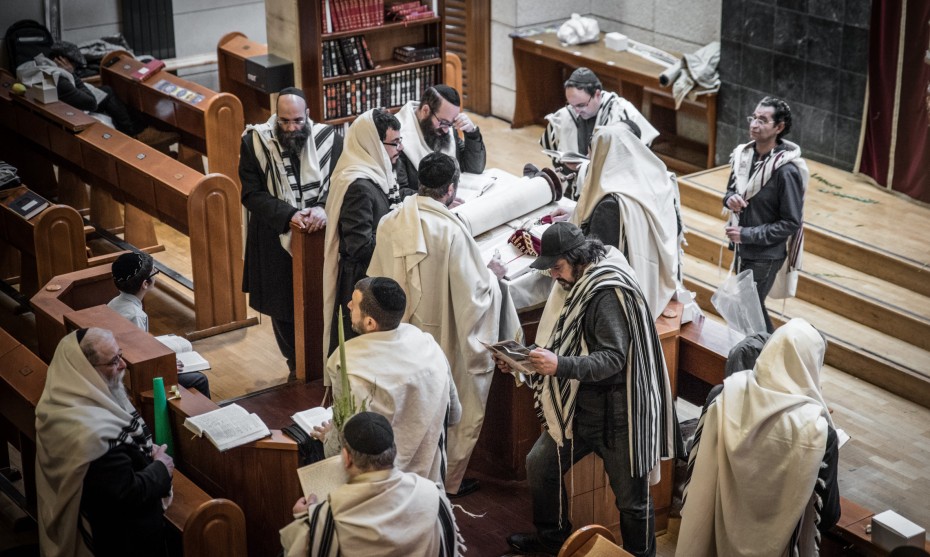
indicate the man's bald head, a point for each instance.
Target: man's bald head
{"x":94,"y":341}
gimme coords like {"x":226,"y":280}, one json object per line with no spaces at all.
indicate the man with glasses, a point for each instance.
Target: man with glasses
{"x":134,"y":276}
{"x":588,"y":106}
{"x":102,"y":485}
{"x":285,"y":166}
{"x":364,"y":190}
{"x":765,"y":198}
{"x":432,"y":125}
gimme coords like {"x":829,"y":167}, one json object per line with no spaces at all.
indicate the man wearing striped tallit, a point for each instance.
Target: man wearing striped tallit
{"x":285,"y":166}
{"x":380,"y":512}
{"x":102,"y":485}
{"x":601,"y":386}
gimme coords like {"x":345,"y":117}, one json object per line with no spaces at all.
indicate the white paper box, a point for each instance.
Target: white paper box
{"x":616,"y":41}
{"x":44,"y":92}
{"x":891,"y":530}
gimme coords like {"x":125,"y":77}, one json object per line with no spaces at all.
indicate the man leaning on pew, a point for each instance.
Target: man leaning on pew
{"x":102,"y":485}
{"x":285,"y":166}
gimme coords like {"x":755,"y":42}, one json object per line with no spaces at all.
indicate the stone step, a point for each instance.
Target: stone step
{"x":703,"y":192}
{"x":884,"y":360}
{"x":858,"y":296}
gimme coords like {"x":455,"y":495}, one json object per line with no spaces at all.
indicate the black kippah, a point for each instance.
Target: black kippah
{"x":129,"y":265}
{"x":368,"y":433}
{"x":389,"y":295}
{"x":292,"y":91}
{"x":437,"y":170}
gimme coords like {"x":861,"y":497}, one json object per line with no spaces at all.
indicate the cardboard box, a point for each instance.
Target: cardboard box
{"x":616,"y":41}
{"x":43,"y":91}
{"x":891,"y":530}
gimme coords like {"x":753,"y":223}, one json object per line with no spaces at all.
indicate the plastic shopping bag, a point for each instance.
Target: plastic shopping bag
{"x":738,"y":302}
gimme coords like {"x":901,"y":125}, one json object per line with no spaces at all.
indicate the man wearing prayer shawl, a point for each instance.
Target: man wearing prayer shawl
{"x":765,"y":201}
{"x":570,"y":128}
{"x":380,"y":512}
{"x":402,"y":373}
{"x":451,"y":295}
{"x":431,"y":125}
{"x":601,"y":386}
{"x":101,"y":484}
{"x":364,"y":190}
{"x":285,"y":166}
{"x":762,"y":471}
{"x":630,"y":201}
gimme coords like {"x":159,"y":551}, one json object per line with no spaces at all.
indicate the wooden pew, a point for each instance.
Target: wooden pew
{"x":49,"y":244}
{"x":205,"y":208}
{"x":52,"y":128}
{"x":212,"y":126}
{"x":208,"y":527}
{"x":260,"y":477}
{"x":232,"y":50}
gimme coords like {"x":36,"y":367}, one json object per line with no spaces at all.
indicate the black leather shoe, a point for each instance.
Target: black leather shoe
{"x":529,"y":544}
{"x":468,"y":485}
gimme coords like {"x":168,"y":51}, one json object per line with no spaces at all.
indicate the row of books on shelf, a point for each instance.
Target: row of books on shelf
{"x":343,"y":15}
{"x":416,"y":53}
{"x":408,"y":11}
{"x":354,"y":96}
{"x":346,"y":56}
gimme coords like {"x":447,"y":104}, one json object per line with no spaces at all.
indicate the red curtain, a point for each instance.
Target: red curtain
{"x":911,"y":149}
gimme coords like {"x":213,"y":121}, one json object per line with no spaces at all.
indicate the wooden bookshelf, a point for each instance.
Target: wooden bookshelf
{"x":295,"y":33}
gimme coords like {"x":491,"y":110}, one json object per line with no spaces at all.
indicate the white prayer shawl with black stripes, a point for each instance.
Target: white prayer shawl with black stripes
{"x":77,"y":422}
{"x":757,"y":453}
{"x":377,"y":514}
{"x":562,"y":129}
{"x":649,"y":401}
{"x":313,"y":183}
{"x":752,"y":178}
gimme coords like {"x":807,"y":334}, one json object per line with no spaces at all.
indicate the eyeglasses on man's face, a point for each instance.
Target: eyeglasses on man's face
{"x":762,"y":121}
{"x":397,"y":143}
{"x":154,"y":272}
{"x":442,"y":123}
{"x":112,"y":363}
{"x":582,"y":106}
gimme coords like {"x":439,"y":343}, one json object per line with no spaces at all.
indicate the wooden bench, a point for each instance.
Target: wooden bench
{"x":205,"y":208}
{"x":49,"y":244}
{"x":232,"y":50}
{"x":212,"y":126}
{"x":208,"y":527}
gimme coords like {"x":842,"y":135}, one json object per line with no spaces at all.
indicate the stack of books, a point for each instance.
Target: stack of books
{"x":408,"y":11}
{"x":344,"y":15}
{"x":346,"y":56}
{"x":354,"y":96}
{"x":416,"y":53}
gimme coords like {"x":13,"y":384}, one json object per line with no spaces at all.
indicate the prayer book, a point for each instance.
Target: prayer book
{"x":314,"y":417}
{"x":322,"y":477}
{"x":228,"y":427}
{"x":566,"y":156}
{"x":512,"y":352}
{"x":27,"y":204}
{"x":185,"y":352}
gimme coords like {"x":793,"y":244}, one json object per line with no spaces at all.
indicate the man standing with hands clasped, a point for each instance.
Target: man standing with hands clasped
{"x":765,"y":198}
{"x":601,"y":386}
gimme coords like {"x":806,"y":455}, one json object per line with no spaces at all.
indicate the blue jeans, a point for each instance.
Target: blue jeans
{"x":764,"y":272}
{"x":611,"y":444}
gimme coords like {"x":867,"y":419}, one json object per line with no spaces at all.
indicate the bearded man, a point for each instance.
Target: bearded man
{"x":432,"y":125}
{"x":102,"y":486}
{"x":285,"y":166}
{"x":600,"y":386}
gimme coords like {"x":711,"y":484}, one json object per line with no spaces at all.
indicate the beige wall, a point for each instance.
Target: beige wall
{"x":682,"y":25}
